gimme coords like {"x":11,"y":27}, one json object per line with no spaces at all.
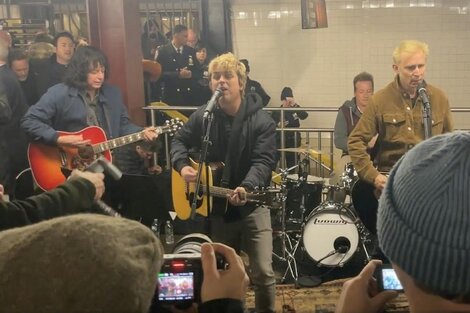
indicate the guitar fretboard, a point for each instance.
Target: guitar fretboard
{"x":221,"y":192}
{"x":124,"y":140}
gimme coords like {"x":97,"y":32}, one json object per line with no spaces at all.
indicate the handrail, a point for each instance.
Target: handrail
{"x":281,"y":129}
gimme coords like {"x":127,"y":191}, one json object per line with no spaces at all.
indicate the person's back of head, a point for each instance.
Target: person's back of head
{"x":424,"y":221}
{"x":79,"y":263}
{"x":43,"y":37}
{"x":247,"y":65}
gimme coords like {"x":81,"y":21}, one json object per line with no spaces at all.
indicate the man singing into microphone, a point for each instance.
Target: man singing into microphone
{"x":243,"y":136}
{"x":395,"y":113}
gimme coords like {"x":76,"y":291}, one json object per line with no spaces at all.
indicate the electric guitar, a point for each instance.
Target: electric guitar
{"x":183,"y":193}
{"x":47,"y":162}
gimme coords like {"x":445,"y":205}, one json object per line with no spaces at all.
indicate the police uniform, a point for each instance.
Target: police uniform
{"x":176,"y":90}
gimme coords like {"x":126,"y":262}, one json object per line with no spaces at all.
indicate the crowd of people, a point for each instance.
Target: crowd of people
{"x":421,"y":224}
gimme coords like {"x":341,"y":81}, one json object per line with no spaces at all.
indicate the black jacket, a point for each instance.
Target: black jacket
{"x":253,"y":86}
{"x":47,"y":73}
{"x":254,"y":150}
{"x":74,"y":196}
{"x":13,"y":141}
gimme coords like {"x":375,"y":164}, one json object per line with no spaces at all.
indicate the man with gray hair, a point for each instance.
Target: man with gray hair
{"x":12,"y":139}
{"x":423,"y":223}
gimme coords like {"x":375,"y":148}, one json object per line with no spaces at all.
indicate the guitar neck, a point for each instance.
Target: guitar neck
{"x":124,"y":140}
{"x":221,"y":192}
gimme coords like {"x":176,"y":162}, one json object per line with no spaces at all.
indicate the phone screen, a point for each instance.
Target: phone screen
{"x":390,"y":280}
{"x":175,"y":286}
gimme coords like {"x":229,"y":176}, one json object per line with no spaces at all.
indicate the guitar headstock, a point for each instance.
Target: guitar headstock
{"x":172,"y":126}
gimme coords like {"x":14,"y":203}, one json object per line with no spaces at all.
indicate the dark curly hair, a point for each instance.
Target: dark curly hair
{"x":84,"y":60}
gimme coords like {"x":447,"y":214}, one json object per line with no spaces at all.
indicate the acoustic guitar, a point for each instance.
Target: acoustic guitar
{"x":183,"y":193}
{"x":47,"y":162}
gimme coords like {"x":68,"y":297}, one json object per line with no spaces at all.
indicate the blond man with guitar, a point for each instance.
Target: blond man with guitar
{"x":83,"y":100}
{"x":395,"y":113}
{"x":243,"y":137}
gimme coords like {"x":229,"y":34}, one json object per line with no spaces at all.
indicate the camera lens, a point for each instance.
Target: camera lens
{"x":191,"y":243}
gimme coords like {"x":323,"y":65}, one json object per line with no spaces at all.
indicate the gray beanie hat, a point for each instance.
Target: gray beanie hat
{"x":424,"y":214}
{"x":80,"y":263}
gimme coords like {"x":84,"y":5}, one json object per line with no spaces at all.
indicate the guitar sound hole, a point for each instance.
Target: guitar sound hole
{"x":86,"y":152}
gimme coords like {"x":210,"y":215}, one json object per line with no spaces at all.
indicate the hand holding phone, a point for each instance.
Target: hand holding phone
{"x":360,"y":294}
{"x":387,"y":278}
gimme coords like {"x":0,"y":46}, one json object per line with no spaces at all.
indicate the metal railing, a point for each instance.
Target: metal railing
{"x":323,"y":165}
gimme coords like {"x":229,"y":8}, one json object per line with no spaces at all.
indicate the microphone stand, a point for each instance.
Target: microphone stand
{"x":426,"y":110}
{"x":427,"y":120}
{"x":202,"y":160}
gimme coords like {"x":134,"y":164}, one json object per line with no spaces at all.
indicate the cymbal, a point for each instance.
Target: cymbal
{"x":304,"y":150}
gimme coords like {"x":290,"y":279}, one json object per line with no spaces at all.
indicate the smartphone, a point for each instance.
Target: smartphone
{"x":387,"y":278}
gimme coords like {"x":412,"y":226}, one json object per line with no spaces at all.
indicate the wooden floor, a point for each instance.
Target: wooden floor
{"x":321,"y":299}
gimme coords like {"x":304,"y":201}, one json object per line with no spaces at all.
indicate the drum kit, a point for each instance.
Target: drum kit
{"x":316,"y":219}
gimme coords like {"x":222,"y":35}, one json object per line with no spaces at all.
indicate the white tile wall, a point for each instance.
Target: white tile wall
{"x":319,"y":64}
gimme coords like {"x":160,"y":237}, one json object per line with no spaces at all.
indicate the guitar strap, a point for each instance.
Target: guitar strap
{"x":233,"y":151}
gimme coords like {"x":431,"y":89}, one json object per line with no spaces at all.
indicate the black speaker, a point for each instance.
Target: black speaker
{"x":36,"y":11}
{"x":313,"y":14}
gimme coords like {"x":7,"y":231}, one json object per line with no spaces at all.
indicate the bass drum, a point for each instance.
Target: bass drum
{"x":330,"y":235}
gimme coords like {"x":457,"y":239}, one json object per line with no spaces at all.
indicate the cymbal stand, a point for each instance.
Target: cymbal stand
{"x":289,"y":245}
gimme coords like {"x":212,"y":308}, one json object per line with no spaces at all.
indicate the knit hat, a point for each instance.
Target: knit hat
{"x":424,"y":214}
{"x":79,"y":263}
{"x":286,"y":92}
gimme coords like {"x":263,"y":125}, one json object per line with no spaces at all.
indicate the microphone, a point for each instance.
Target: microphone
{"x":213,"y":102}
{"x":106,"y":208}
{"x":342,"y":245}
{"x":423,"y":94}
{"x":102,"y":165}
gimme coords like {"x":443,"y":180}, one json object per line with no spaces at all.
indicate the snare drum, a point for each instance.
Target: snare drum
{"x":330,"y":235}
{"x":310,"y":191}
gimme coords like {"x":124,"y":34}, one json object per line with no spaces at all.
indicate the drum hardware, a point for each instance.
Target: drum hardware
{"x":348,"y":177}
{"x":306,"y":151}
{"x":289,"y":240}
{"x":304,"y":193}
{"x":330,"y":234}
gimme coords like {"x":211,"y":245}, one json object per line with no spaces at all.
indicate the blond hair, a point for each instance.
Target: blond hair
{"x":229,"y":63}
{"x":408,"y":48}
